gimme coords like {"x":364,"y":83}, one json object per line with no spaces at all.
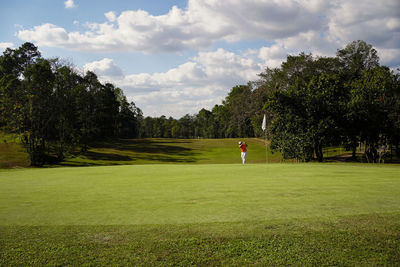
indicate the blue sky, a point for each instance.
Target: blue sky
{"x":176,"y":57}
{"x":30,"y":13}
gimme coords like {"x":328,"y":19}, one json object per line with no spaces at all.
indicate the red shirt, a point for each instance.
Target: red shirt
{"x":243,"y":147}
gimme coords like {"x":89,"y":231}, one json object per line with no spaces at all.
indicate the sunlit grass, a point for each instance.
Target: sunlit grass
{"x":361,"y":240}
{"x":163,"y":194}
{"x":171,"y":151}
{"x":204,"y":214}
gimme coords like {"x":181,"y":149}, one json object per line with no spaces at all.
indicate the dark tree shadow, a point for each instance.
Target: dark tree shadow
{"x":106,"y":156}
{"x":146,"y":146}
{"x":151,"y":151}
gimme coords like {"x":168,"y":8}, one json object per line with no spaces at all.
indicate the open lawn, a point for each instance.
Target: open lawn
{"x":206,"y":214}
{"x":156,"y":151}
{"x":170,"y":151}
{"x":145,"y":151}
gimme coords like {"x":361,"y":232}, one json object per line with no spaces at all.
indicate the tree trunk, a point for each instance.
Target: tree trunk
{"x":371,"y":152}
{"x":354,"y":145}
{"x":391,"y":152}
{"x":318,"y":153}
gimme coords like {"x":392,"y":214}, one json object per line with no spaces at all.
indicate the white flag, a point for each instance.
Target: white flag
{"x":264,"y":123}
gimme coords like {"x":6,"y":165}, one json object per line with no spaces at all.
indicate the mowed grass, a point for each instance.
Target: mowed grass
{"x":145,"y":151}
{"x":171,"y":151}
{"x":170,"y":194}
{"x":205,"y":214}
{"x":153,"y":151}
{"x":12,"y":153}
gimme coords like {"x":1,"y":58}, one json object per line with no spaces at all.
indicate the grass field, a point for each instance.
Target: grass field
{"x":145,"y":151}
{"x":205,"y":214}
{"x":12,"y":153}
{"x":155,"y":151}
{"x":170,"y":151}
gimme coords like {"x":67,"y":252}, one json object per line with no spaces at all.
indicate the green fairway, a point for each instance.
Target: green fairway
{"x":155,"y":151}
{"x":145,"y":151}
{"x":160,"y":194}
{"x":201,"y":215}
{"x":171,"y":151}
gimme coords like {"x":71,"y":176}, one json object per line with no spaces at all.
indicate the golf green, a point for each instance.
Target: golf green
{"x":179,"y":194}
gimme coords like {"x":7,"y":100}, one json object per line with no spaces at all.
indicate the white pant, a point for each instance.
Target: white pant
{"x":244,"y":157}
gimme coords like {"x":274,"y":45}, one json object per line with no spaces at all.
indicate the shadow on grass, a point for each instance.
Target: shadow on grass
{"x":13,"y":155}
{"x":360,"y":158}
{"x":146,"y":146}
{"x":106,"y":156}
{"x":143,"y":150}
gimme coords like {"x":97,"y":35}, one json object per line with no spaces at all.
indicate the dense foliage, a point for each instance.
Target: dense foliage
{"x":347,"y":100}
{"x":54,"y":109}
{"x":310,"y":103}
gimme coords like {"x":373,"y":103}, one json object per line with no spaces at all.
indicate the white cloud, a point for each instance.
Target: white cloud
{"x":375,"y":22}
{"x":228,"y":67}
{"x":69,"y":4}
{"x":3,"y":46}
{"x":273,"y":56}
{"x":311,"y":25}
{"x":389,"y":57}
{"x":104,"y":68}
{"x":48,"y":34}
{"x":111,"y":16}
{"x":197,"y":26}
{"x":199,"y":83}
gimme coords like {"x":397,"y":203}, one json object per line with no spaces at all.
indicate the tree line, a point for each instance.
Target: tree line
{"x":239,"y":115}
{"x":55,"y":110}
{"x":310,"y":103}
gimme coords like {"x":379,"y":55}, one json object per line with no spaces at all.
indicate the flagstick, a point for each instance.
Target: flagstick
{"x":266,"y":148}
{"x":264,"y":128}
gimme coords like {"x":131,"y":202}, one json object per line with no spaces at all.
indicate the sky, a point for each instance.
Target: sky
{"x":175,"y":57}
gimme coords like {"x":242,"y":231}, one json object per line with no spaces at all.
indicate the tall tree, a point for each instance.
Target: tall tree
{"x":66,"y":134}
{"x":356,"y":57}
{"x":221,"y":118}
{"x":38,"y":109}
{"x":372,"y":101}
{"x":13,"y":63}
{"x":238,"y":102}
{"x":204,"y":124}
{"x":301,"y":104}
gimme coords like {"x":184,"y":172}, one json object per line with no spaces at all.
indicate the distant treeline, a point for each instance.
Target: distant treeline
{"x":239,"y":115}
{"x":310,"y":103}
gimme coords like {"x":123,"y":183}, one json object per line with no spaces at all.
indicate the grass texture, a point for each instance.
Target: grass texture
{"x":170,"y":194}
{"x":364,"y":240}
{"x":154,"y":151}
{"x":171,"y":151}
{"x":12,"y":153}
{"x":206,"y":214}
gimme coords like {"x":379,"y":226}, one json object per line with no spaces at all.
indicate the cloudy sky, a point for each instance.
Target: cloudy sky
{"x":173,"y":57}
